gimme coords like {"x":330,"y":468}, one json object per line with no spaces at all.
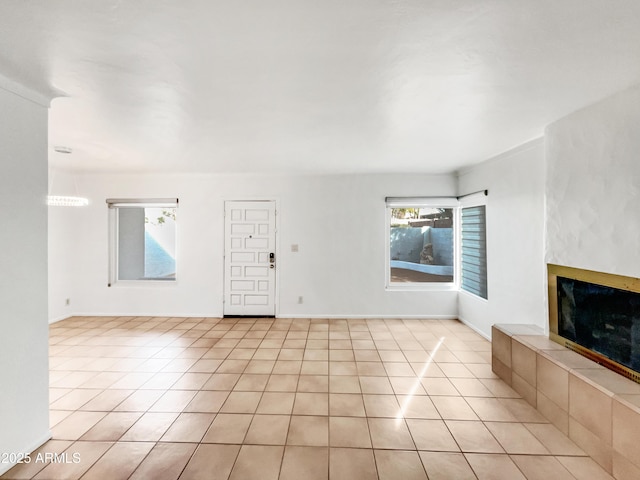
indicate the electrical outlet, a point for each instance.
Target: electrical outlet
{"x":67,"y":302}
{"x":300,"y":299}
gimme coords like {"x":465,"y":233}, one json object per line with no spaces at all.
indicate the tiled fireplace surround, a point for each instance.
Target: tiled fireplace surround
{"x":597,"y":408}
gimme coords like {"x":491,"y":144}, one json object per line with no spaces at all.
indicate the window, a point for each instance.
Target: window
{"x":142,"y":242}
{"x":421,"y":235}
{"x":473,"y":257}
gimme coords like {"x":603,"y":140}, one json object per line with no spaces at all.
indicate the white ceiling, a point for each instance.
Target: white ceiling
{"x":312,"y":85}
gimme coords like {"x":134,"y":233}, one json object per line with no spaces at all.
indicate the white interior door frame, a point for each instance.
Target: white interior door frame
{"x":250,"y":257}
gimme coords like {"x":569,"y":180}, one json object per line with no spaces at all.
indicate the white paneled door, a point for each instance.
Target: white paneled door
{"x":249,"y":258}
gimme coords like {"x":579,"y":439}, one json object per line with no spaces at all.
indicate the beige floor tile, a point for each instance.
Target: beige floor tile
{"x":432,"y":435}
{"x":56,"y":416}
{"x":473,"y":437}
{"x":396,"y":464}
{"x":133,"y":380}
{"x":282,"y":383}
{"x":150,"y":427}
{"x":346,"y":405}
{"x":211,"y":462}
{"x":327,"y":373}
{"x":308,"y":431}
{"x":311,"y":404}
{"x":233,"y":366}
{"x":106,"y":401}
{"x":399,"y":369}
{"x":389,"y":433}
{"x":344,"y":384}
{"x":112,"y":426}
{"x":516,"y":439}
{"x":162,"y":381}
{"x":540,"y":467}
{"x":309,"y":463}
{"x":454,"y":408}
{"x":120,"y":461}
{"x":191,"y":381}
{"x":418,"y":406}
{"x":268,"y":430}
{"x":75,"y":399}
{"x":291,"y":354}
{"x":342,"y":368}
{"x":494,"y":467}
{"x":241,"y":402}
{"x":375,"y":369}
{"x":314,"y":368}
{"x":490,"y":409}
{"x":80,"y":456}
{"x":471,"y":387}
{"x":188,"y":427}
{"x":228,"y":428}
{"x":57,"y":393}
{"x":499,"y":388}
{"x":73,"y":380}
{"x":446,"y":466}
{"x":554,"y":440}
{"x":103,"y":379}
{"x":352,"y":463}
{"x":139,"y":401}
{"x":381,"y":406}
{"x":173,"y":401}
{"x":258,"y":462}
{"x":584,"y":468}
{"x":313,"y":383}
{"x":315,"y":353}
{"x":206,"y":365}
{"x":165,"y":461}
{"x":367,"y":356}
{"x":407,"y":386}
{"x":76,"y":425}
{"x":221,"y":381}
{"x":349,"y":432}
{"x":207,"y":401}
{"x":276,"y":403}
{"x":376,"y":385}
{"x":522,"y":411}
{"x":439,"y":386}
{"x":287,"y":367}
{"x":252,"y":382}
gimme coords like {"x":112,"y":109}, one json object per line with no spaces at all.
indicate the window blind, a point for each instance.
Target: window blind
{"x":474,"y":251}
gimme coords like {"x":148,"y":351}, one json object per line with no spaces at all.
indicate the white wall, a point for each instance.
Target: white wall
{"x":337,"y":221}
{"x":593,"y":187}
{"x":24,"y":412}
{"x":515,"y":239}
{"x":62,"y":243}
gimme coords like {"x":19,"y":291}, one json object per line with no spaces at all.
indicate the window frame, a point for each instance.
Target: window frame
{"x":421,"y":202}
{"x":113,"y":207}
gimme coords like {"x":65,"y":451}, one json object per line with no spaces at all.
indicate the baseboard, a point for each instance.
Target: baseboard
{"x":58,"y":319}
{"x":5,"y":467}
{"x":279,"y":315}
{"x":475,"y":329}
{"x":147,"y":314}
{"x":372,"y":317}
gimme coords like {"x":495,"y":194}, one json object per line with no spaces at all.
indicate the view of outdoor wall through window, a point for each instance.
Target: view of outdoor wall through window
{"x":421,"y":245}
{"x":143,"y":240}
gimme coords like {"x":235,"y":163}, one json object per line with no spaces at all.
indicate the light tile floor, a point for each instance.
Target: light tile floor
{"x":206,"y":398}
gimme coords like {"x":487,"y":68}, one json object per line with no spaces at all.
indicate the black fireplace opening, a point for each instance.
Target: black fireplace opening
{"x":602,"y":319}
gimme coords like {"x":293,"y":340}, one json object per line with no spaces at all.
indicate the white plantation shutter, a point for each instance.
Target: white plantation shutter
{"x":474,"y":250}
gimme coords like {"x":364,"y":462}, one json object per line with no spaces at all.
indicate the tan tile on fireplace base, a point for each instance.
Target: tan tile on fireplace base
{"x":598,"y":409}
